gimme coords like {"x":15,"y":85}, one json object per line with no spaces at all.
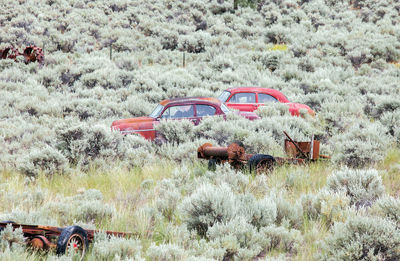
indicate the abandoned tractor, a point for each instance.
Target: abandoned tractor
{"x":31,"y":53}
{"x":236,"y":156}
{"x":63,"y":240}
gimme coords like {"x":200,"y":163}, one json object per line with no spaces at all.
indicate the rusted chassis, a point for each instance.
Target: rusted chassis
{"x":234,"y":154}
{"x":61,"y":239}
{"x":31,"y":53}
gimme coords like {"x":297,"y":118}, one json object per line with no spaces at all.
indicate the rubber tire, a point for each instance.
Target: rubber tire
{"x":255,"y":159}
{"x":212,"y":164}
{"x":66,"y":234}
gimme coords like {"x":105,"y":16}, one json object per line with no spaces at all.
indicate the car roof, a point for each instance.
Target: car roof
{"x":190,"y":100}
{"x":272,"y":92}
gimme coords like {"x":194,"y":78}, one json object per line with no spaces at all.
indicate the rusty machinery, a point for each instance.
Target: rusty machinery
{"x":31,"y":53}
{"x":234,"y":154}
{"x":63,"y":240}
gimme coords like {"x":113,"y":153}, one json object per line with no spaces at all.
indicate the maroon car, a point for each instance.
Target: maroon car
{"x":191,"y":108}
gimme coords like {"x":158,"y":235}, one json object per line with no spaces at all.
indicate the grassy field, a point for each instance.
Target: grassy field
{"x":61,"y":165}
{"x":129,"y":192}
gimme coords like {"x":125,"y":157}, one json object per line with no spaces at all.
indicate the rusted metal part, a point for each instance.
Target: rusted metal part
{"x":31,"y":53}
{"x":44,"y":237}
{"x":41,"y":242}
{"x":306,"y":150}
{"x":295,"y":144}
{"x":298,"y":153}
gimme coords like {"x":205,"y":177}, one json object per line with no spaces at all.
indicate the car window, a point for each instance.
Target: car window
{"x":264,"y":98}
{"x":205,"y":110}
{"x":181,"y":111}
{"x":224,"y":96}
{"x":157,"y":111}
{"x":244,"y":97}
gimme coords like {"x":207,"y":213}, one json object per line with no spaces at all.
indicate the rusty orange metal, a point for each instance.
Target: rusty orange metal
{"x":31,"y":53}
{"x":235,"y":154}
{"x":43,"y":237}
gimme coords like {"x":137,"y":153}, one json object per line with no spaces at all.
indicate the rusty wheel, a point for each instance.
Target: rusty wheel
{"x":73,"y":239}
{"x":261,"y":163}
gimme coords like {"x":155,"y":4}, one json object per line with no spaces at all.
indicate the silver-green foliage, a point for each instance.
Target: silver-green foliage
{"x":361,"y":186}
{"x":11,"y":238}
{"x":362,"y":238}
{"x":108,"y":247}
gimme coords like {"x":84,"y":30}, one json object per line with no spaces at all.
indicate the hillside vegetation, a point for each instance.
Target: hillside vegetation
{"x":60,"y":164}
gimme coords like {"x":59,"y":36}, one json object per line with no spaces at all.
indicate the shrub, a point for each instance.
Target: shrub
{"x":326,"y":206}
{"x":287,"y":212}
{"x":108,"y":247}
{"x":360,"y":145}
{"x":48,"y":161}
{"x":207,"y":206}
{"x":259,"y":213}
{"x":11,"y":238}
{"x":362,"y":238}
{"x":361,"y":186}
{"x":166,"y":252}
{"x":168,"y":198}
{"x":176,"y":131}
{"x":389,"y":208}
{"x":282,"y":238}
{"x":237,"y":239}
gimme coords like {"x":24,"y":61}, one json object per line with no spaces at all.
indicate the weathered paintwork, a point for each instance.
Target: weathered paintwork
{"x":145,"y":126}
{"x":294,"y":108}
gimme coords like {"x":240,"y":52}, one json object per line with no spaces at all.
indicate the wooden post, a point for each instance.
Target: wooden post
{"x":110,"y":51}
{"x":183,"y":60}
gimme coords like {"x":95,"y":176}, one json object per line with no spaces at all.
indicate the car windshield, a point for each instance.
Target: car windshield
{"x":157,"y":111}
{"x":224,"y":96}
{"x":224,"y":108}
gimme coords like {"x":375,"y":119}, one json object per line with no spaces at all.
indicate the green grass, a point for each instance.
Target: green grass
{"x":129,"y":191}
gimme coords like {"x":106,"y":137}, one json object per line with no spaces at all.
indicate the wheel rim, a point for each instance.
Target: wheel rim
{"x":264,"y":166}
{"x":76,"y":244}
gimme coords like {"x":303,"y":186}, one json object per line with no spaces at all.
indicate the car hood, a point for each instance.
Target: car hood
{"x":131,"y":123}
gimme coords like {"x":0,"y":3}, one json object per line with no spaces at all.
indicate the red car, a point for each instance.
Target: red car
{"x":250,"y":98}
{"x":192,"y":108}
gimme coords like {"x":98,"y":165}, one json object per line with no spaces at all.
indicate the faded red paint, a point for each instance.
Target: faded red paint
{"x":145,"y":126}
{"x":294,"y":108}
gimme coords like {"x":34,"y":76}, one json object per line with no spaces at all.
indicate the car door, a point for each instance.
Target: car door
{"x":179,"y":112}
{"x":204,"y":110}
{"x":264,"y":99}
{"x":243,"y":101}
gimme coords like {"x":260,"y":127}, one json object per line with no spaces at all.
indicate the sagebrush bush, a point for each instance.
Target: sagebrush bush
{"x":389,"y":208}
{"x":361,"y":144}
{"x":108,"y":247}
{"x":175,"y":131}
{"x":282,"y":238}
{"x":362,"y":238}
{"x":11,"y":238}
{"x":362,"y":186}
{"x":47,"y":160}
{"x":326,"y":206}
{"x":237,"y":239}
{"x":207,"y":206}
{"x":166,"y":252}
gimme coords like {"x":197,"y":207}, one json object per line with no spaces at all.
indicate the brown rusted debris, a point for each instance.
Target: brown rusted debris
{"x":234,"y":154}
{"x":31,"y":53}
{"x":48,"y":237}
